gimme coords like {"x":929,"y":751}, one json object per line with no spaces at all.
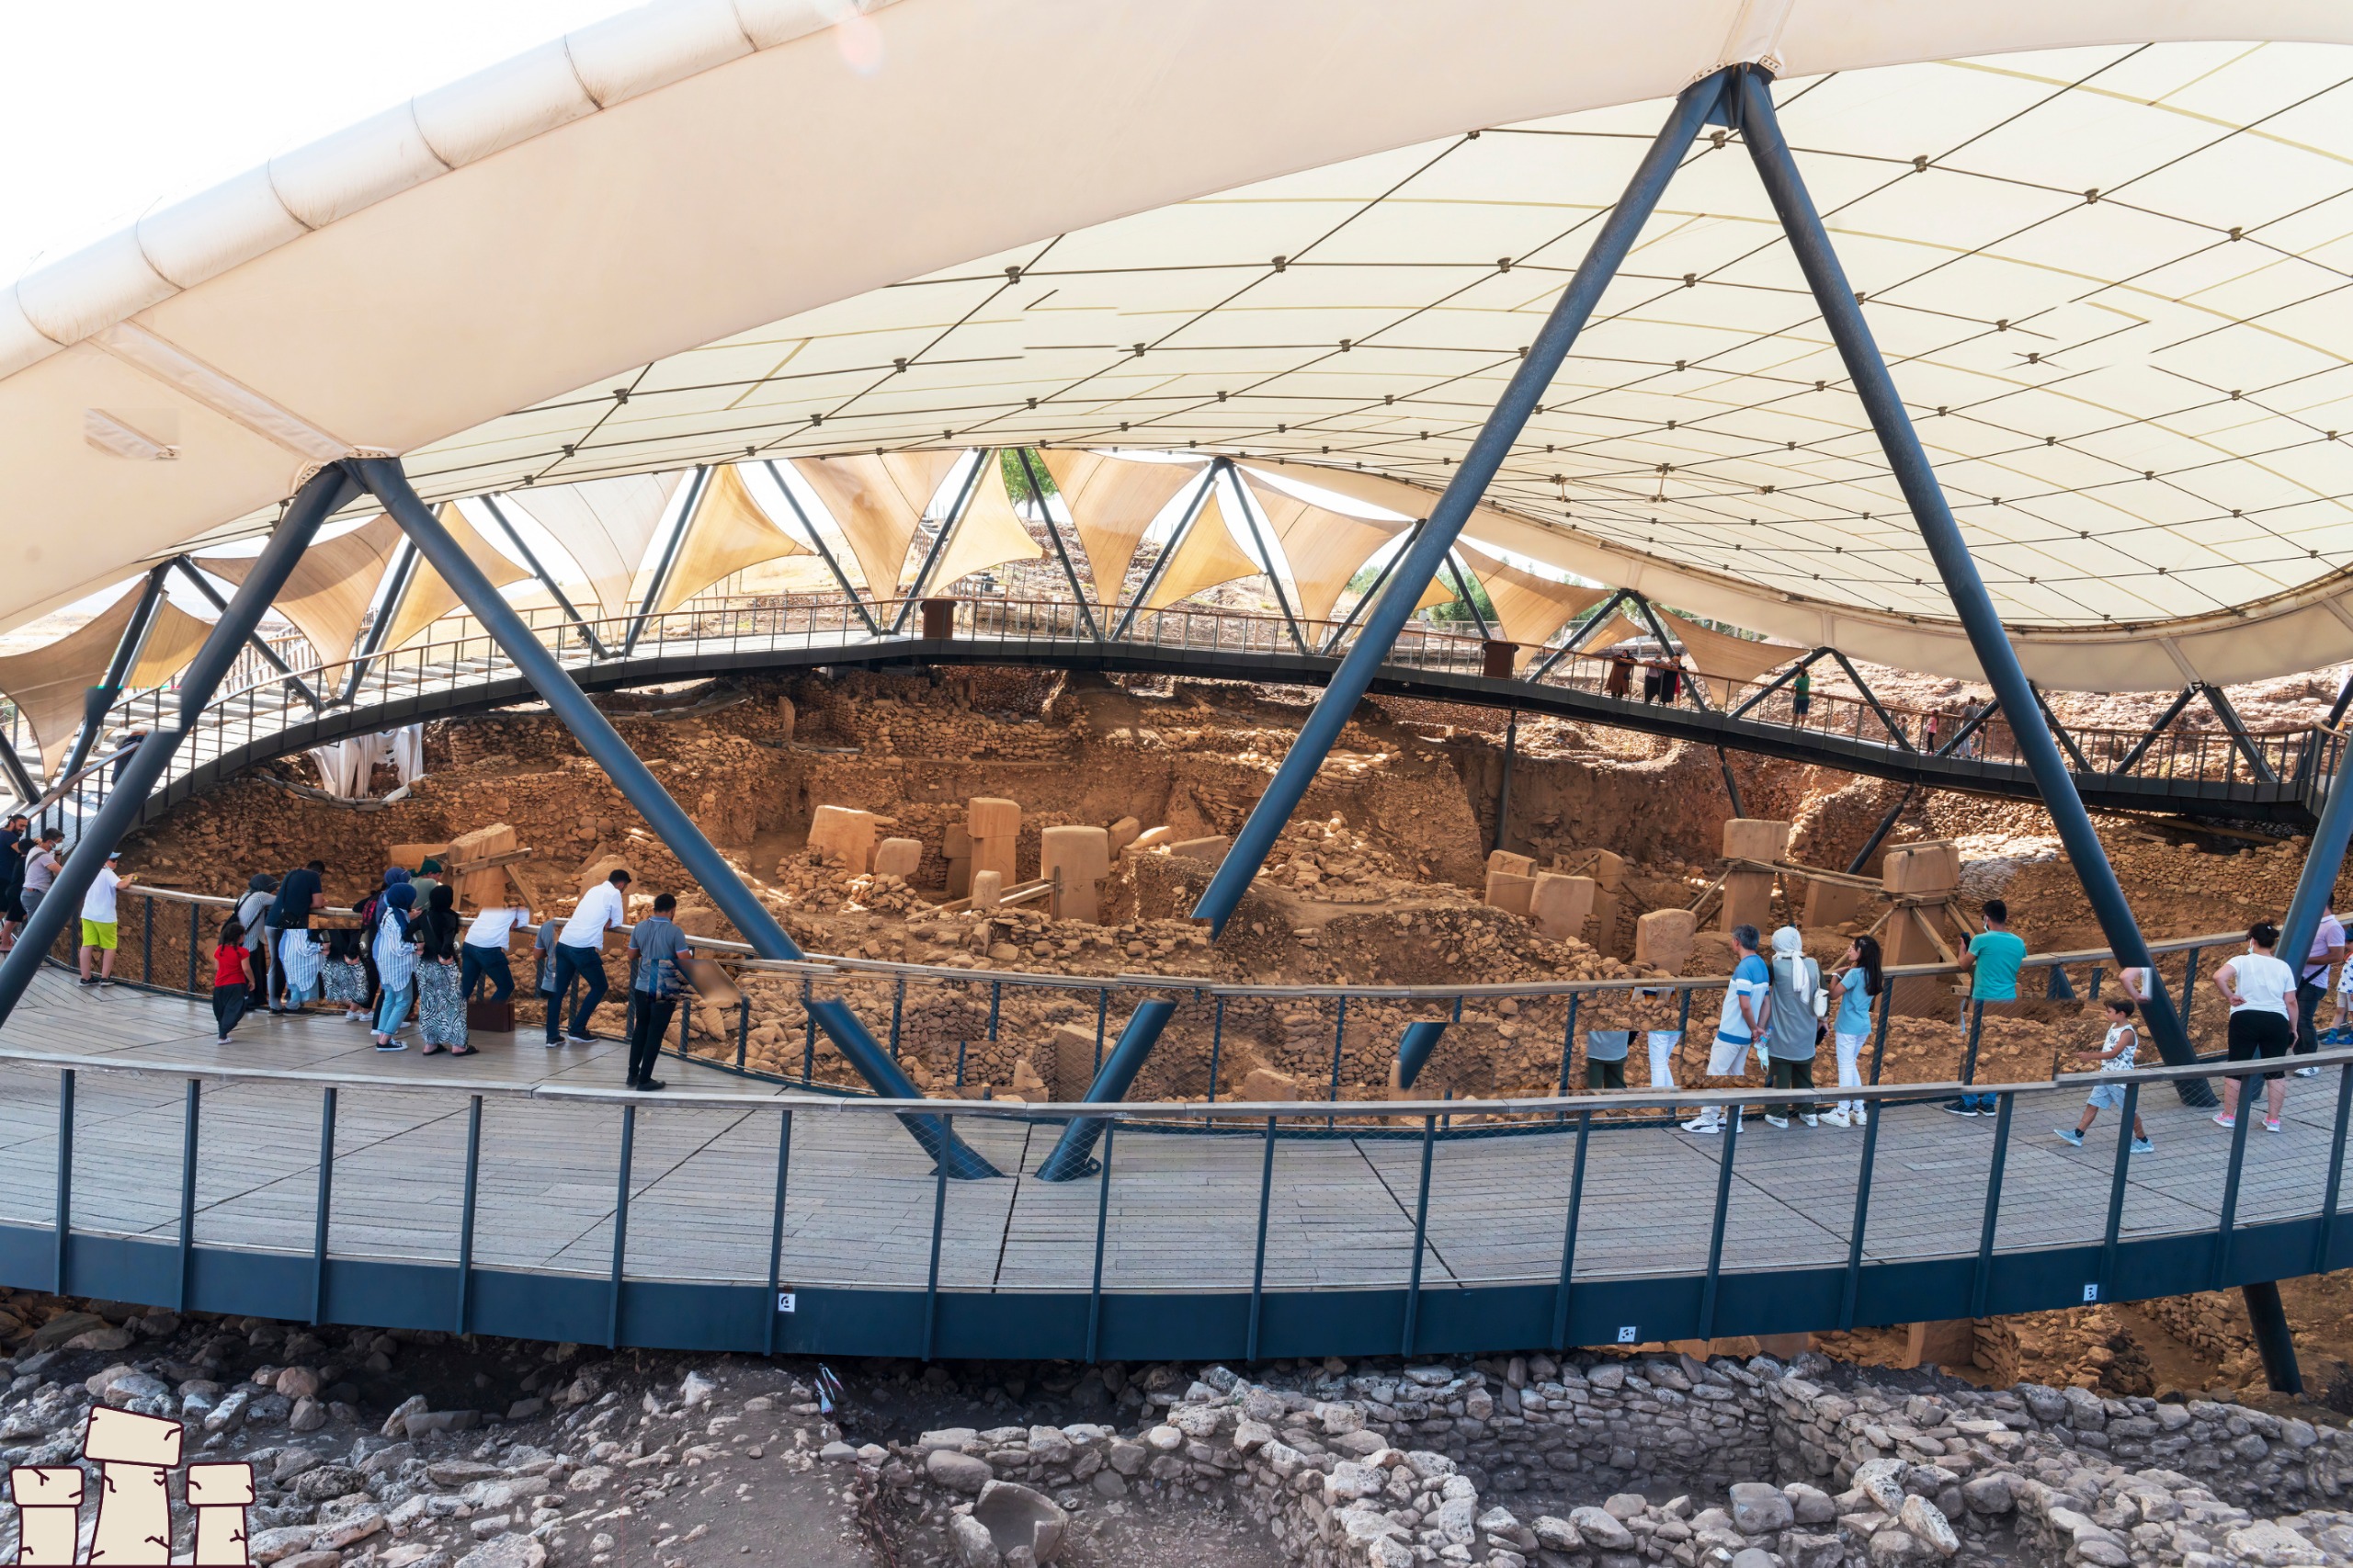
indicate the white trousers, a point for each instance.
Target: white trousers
{"x":1850,"y":1072}
{"x":1662,"y":1043}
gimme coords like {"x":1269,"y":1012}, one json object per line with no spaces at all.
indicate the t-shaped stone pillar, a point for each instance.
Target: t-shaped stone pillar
{"x":1077,"y":859}
{"x":49,"y":1513}
{"x":134,"y":1509}
{"x":993,"y":825}
{"x":220,"y":1494}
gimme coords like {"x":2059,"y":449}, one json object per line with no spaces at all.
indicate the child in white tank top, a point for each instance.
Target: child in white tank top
{"x":2117,"y":1053}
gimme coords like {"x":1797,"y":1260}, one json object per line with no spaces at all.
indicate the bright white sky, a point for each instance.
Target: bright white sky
{"x":106,"y":106}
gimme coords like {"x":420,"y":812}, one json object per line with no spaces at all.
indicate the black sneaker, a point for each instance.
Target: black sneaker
{"x":1961,"y":1107}
{"x":649,"y":1083}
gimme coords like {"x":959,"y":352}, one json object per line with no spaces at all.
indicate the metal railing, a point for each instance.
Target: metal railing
{"x":1558,"y":1240}
{"x":963,"y":1030}
{"x":245,"y":717}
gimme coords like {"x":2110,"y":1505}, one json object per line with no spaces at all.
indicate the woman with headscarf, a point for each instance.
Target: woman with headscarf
{"x":393,"y":943}
{"x":440,"y":1002}
{"x":1796,"y":1027}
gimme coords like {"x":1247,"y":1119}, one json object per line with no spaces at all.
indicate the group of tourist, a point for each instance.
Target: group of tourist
{"x":1663,"y":678}
{"x":402,"y":952}
{"x":29,"y":863}
{"x":1780,"y":1007}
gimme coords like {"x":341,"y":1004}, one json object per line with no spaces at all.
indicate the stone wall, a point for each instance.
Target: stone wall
{"x":1388,"y":1469}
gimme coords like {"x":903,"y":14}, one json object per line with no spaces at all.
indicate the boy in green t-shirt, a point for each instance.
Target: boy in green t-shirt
{"x":1992,"y":964}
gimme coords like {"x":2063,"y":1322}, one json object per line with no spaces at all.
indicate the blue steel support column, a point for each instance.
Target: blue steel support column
{"x":310,"y":507}
{"x":2323,"y":860}
{"x":1974,"y":606}
{"x":588,"y":726}
{"x":1354,"y":677}
{"x":1073,"y":1157}
{"x":600,"y":741}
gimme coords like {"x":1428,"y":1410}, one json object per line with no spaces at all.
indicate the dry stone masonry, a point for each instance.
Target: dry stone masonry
{"x":1434,"y":1463}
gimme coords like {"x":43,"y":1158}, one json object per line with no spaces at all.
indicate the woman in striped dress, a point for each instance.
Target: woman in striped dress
{"x":394,"y":945}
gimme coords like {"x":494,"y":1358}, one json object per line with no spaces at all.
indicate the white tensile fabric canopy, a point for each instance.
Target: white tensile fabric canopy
{"x":605,"y":524}
{"x":727,"y":533}
{"x":47,"y":683}
{"x":990,"y":533}
{"x":2098,"y":242}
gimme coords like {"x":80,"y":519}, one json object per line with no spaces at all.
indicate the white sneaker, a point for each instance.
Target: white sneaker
{"x":1702,"y":1124}
{"x":1811,"y":1121}
{"x":1836,"y":1118}
{"x":1772,"y":1120}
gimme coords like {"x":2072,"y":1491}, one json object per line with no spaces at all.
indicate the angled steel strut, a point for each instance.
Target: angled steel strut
{"x":1834,"y":296}
{"x":635,"y":779}
{"x":127,"y":801}
{"x":1421,"y":561}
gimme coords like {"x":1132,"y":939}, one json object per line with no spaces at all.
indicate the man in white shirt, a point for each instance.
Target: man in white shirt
{"x":579,"y":953}
{"x":482,"y":955}
{"x":98,"y":923}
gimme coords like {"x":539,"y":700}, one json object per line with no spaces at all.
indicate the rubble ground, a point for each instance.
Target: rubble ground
{"x":417,"y":1449}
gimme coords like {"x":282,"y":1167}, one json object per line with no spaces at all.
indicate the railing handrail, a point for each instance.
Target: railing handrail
{"x":1163,"y":1110}
{"x":885,"y":609}
{"x":739,"y":956}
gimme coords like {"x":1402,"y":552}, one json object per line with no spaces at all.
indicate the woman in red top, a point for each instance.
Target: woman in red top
{"x":230,"y":983}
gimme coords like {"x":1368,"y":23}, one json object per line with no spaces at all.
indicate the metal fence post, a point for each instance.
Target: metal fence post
{"x":1339,"y":1034}
{"x":466,"y":1212}
{"x":1102,"y":1218}
{"x":775,"y":1231}
{"x":1258,"y":1261}
{"x":2324,"y":1246}
{"x":2116,"y":1189}
{"x":1852,"y":1289}
{"x":620,"y":1230}
{"x":1217,"y":1045}
{"x":195,"y":937}
{"x":1568,"y":1040}
{"x":809,"y":1036}
{"x":2249,"y":1089}
{"x":188,"y":1187}
{"x":938,"y":1223}
{"x":1421,"y":1232}
{"x":1878,"y":1045}
{"x":64,"y":1176}
{"x":322,"y":1204}
{"x":1980,"y":1278}
{"x":1569,"y":1235}
{"x":147,"y":941}
{"x":898,"y":1012}
{"x":1716,"y":1229}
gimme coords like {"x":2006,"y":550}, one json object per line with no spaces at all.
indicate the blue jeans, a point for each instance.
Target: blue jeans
{"x":587,"y":966}
{"x":391,"y":1008}
{"x":478,"y":964}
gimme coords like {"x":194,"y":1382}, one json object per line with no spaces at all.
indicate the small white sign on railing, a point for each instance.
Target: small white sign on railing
{"x":787,"y":1301}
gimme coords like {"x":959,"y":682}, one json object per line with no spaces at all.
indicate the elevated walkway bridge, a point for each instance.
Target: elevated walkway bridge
{"x":2227,"y":774}
{"x":298,"y":1174}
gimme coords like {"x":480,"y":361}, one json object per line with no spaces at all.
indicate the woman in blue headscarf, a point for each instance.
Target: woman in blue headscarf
{"x":393,"y":944}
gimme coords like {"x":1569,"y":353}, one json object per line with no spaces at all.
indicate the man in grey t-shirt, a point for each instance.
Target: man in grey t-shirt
{"x":42,"y":867}
{"x":658,"y":946}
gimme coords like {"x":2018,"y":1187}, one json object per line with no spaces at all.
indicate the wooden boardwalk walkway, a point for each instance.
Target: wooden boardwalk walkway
{"x":1183,"y":1205}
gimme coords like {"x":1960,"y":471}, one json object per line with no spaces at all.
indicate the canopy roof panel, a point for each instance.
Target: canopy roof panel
{"x":2101,"y":241}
